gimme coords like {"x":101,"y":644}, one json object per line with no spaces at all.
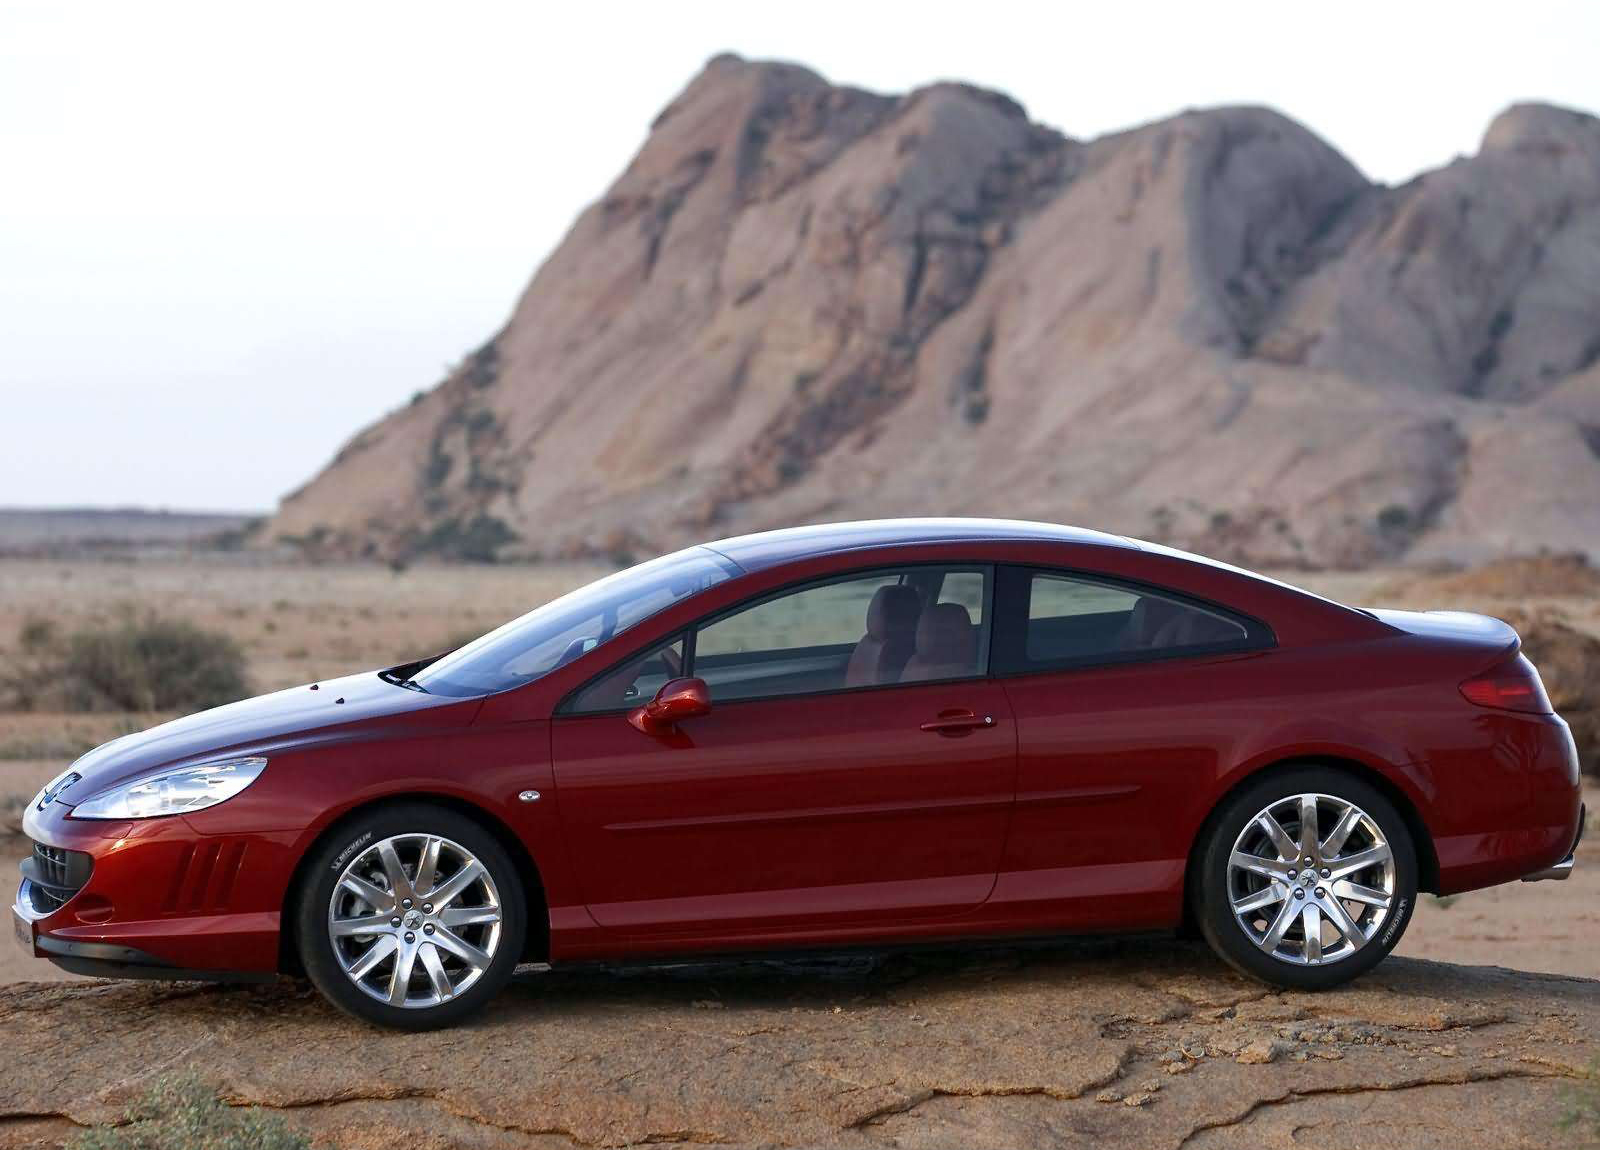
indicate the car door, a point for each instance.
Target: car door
{"x":819,"y":792}
{"x":1122,"y":696}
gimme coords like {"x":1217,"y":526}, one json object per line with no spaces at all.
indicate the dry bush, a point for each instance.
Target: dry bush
{"x":140,"y":663}
{"x":1545,"y":575}
{"x":1583,"y":1107}
{"x":180,"y":1112}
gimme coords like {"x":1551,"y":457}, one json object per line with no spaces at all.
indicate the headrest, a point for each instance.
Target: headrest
{"x":1150,"y":615}
{"x":893,"y":611}
{"x":945,"y":635}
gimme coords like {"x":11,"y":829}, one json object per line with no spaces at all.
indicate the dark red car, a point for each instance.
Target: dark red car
{"x":860,"y":733}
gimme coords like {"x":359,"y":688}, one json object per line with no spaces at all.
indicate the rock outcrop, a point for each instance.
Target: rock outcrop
{"x":804,"y":302}
{"x":1117,"y":1045}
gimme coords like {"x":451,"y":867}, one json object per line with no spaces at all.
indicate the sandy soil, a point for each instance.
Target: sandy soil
{"x":1116,"y":1045}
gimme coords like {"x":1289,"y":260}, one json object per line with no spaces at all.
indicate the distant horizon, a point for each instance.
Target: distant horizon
{"x":126,"y":509}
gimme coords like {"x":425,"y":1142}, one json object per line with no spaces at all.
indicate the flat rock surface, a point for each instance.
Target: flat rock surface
{"x":1138,"y":1044}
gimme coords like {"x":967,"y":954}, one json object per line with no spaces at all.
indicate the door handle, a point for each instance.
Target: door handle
{"x":958,"y":722}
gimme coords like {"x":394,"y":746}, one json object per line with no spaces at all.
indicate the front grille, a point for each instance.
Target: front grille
{"x":54,"y":875}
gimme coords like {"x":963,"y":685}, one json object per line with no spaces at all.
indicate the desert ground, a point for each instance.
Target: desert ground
{"x":1144,"y":1042}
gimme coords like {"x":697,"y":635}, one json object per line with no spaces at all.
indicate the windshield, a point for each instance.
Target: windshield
{"x":575,"y":624}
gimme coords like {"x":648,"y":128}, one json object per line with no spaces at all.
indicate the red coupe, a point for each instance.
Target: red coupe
{"x":863,"y":733}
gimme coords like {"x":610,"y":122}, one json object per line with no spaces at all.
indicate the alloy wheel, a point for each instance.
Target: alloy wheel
{"x":415,"y":920}
{"x":1306,"y":895}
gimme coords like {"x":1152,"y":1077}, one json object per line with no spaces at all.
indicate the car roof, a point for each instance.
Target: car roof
{"x":770,"y":548}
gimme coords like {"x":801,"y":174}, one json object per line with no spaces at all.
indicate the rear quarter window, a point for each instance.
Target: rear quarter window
{"x":1062,"y":619}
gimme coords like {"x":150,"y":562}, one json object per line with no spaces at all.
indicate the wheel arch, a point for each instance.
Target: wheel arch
{"x":1422,"y":839}
{"x":535,"y":948}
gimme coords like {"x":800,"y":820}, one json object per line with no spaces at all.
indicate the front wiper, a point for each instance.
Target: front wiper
{"x":408,"y":684}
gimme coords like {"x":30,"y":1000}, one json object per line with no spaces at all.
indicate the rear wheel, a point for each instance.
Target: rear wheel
{"x":412,"y":917}
{"x":1308,"y":878}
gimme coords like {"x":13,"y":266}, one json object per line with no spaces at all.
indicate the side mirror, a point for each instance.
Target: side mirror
{"x":677,"y":700}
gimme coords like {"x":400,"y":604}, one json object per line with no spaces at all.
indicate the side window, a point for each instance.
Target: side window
{"x":1073,"y":620}
{"x":633,"y":682}
{"x":909,"y":625}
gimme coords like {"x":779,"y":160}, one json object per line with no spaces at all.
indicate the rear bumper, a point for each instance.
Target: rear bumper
{"x":1561,"y":870}
{"x":1508,"y":801}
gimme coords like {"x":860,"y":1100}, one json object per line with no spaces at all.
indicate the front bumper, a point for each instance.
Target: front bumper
{"x":161,"y":898}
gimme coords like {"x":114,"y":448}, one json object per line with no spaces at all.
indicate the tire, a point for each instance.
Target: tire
{"x":460,"y":953}
{"x":1278,"y":901}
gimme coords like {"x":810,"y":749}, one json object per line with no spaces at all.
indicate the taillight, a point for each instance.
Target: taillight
{"x":1512,"y":686}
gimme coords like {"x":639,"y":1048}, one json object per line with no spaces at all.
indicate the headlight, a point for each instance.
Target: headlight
{"x":174,"y":792}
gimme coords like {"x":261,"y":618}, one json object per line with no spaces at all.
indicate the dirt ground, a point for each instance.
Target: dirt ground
{"x":1133,"y":1044}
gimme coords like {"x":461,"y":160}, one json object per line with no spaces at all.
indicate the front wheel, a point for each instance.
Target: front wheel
{"x":1308,"y":879}
{"x":412,"y":916}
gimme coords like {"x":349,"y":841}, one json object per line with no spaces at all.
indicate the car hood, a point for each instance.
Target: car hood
{"x":354,"y":707}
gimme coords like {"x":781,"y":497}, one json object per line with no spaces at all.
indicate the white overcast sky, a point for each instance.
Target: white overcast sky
{"x":233,"y":233}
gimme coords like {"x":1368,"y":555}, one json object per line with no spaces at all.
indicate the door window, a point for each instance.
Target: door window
{"x":1072,"y":620}
{"x":914,"y":624}
{"x":632,"y":682}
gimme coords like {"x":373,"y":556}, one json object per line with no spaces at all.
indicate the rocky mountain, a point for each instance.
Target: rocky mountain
{"x":805,"y":302}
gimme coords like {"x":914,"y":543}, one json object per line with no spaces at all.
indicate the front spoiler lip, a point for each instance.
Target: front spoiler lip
{"x":108,"y":960}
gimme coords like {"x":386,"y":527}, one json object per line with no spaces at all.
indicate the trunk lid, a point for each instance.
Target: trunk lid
{"x":1470,"y":631}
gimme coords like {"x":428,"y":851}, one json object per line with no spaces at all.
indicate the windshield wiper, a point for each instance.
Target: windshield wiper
{"x":408,"y":684}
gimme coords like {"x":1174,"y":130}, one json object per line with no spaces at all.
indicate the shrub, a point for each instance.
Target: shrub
{"x":476,"y":540}
{"x":1583,"y":1105}
{"x":26,"y":678}
{"x":1394,"y":518}
{"x":148,"y":663}
{"x":180,"y":1112}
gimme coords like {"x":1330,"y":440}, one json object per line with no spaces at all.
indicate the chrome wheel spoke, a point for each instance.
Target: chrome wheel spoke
{"x":1309,"y":839}
{"x":452,"y":887}
{"x":1266,"y":896}
{"x":1334,"y":843}
{"x":1281,"y":842}
{"x":1255,"y":864}
{"x":1343,"y":923}
{"x":1280,"y":927}
{"x":427,"y":867}
{"x":374,"y":954}
{"x":386,"y":941}
{"x":375,"y":897}
{"x":1360,"y":861}
{"x":437,"y":975}
{"x":365,"y":924}
{"x":396,"y":874}
{"x":448,"y":940}
{"x":1355,"y":892}
{"x":459,"y":916}
{"x":1311,"y":924}
{"x":400,"y":976}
